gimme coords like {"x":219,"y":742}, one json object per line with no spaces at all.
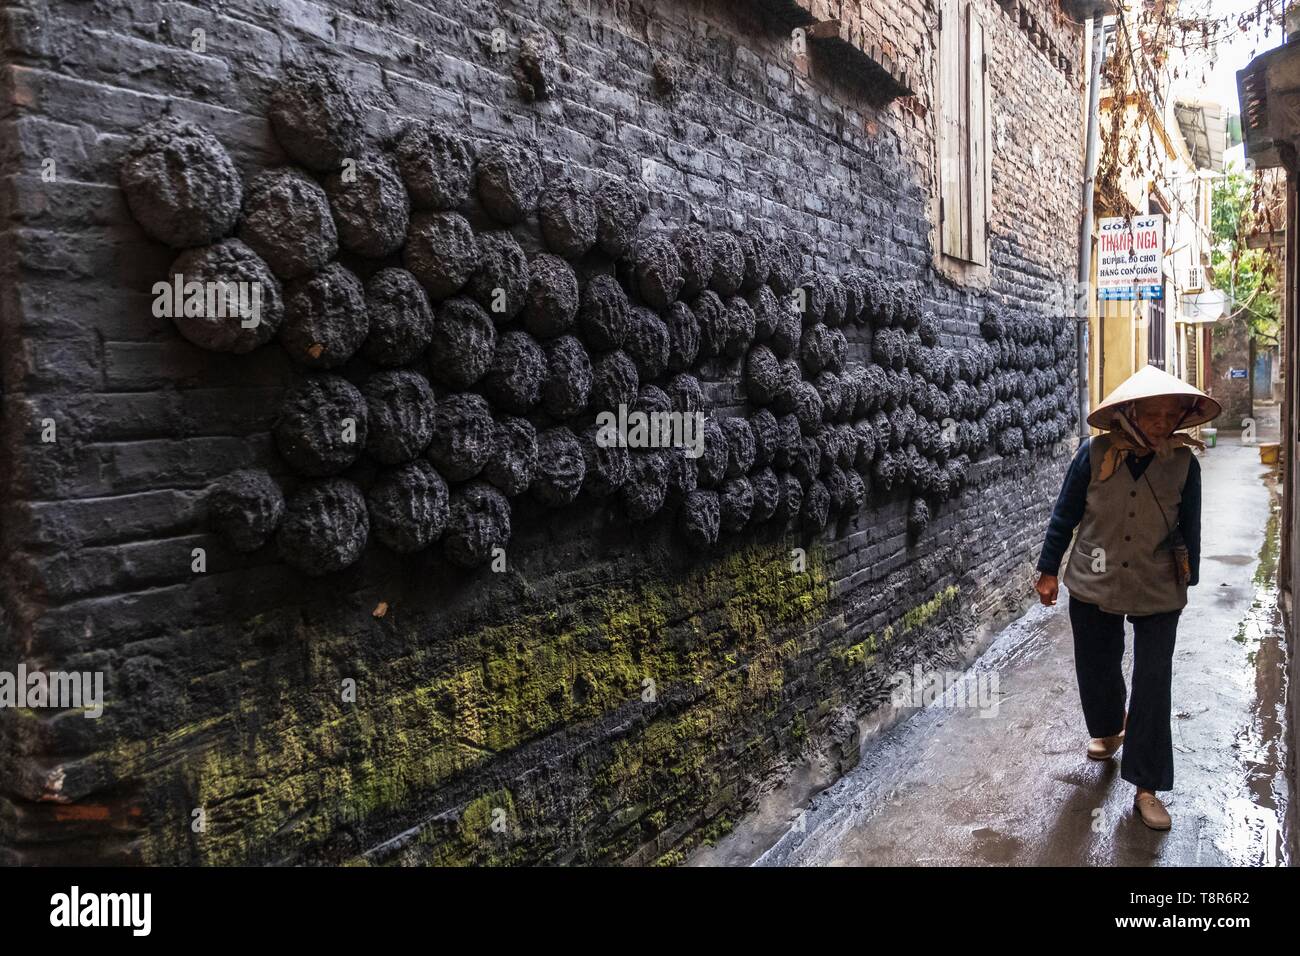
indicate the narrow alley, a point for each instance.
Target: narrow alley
{"x":1009,"y":784}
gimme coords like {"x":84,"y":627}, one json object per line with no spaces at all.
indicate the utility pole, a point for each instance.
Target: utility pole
{"x":1084,"y":292}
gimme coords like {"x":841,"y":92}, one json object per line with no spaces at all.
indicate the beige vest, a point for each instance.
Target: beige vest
{"x":1121,"y":560}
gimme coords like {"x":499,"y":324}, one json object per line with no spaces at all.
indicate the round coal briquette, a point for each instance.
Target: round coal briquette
{"x":513,"y":458}
{"x":806,"y":464}
{"x":837,"y":483}
{"x":757,"y":262}
{"x":767,"y":436}
{"x":619,"y":209}
{"x":603,"y":313}
{"x":647,"y":343}
{"x":712,"y":464}
{"x":566,"y":388}
{"x":685,"y":392}
{"x":644,"y":492}
{"x":816,"y":506}
{"x":370,"y":206}
{"x":711,"y":315}
{"x":810,"y":299}
{"x":509,"y":182}
{"x":463,"y":432}
{"x":832,"y":394}
{"x":767,"y":311}
{"x":791,"y":376}
{"x":767,"y":494}
{"x":561,"y":467}
{"x":728,"y":264}
{"x":763,"y":378}
{"x":741,"y":450}
{"x":614,"y":382}
{"x":500,"y":283}
{"x":683,"y":337}
{"x":683,"y":475}
{"x":695,"y":252}
{"x":325,"y":527}
{"x":514,"y":379}
{"x":918,"y":516}
{"x":740,"y":327}
{"x":317,"y":117}
{"x":436,"y":164}
{"x":787,"y":333}
{"x":441,"y":252}
{"x":652,"y":399}
{"x":786,"y":266}
{"x":478,"y":522}
{"x":816,"y":348}
{"x":245,"y":508}
{"x":608,"y":462}
{"x":551,"y":308}
{"x":658,"y":270}
{"x":321,"y":427}
{"x":836,"y":301}
{"x":791,"y":440}
{"x":463,"y":343}
{"x":700,"y":519}
{"x":408,"y":507}
{"x":245,"y":314}
{"x":325,"y":318}
{"x":401,"y":322}
{"x":567,"y":215}
{"x":928,"y":329}
{"x":853,"y":284}
{"x":857,"y":491}
{"x":400,"y":410}
{"x":736,"y":503}
{"x":807,"y":407}
{"x":287,"y":221}
{"x":180,"y":184}
{"x":791,"y":504}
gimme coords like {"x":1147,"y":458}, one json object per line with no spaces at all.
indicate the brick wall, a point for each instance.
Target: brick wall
{"x":1229,"y":349}
{"x":500,"y":717}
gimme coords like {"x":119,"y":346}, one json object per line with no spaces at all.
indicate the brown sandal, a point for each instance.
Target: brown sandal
{"x":1103,"y":748}
{"x":1152,"y":811}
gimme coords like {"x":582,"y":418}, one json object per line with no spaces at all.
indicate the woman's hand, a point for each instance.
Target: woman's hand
{"x":1047,"y":588}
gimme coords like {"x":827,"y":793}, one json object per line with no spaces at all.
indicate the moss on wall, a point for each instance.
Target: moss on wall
{"x":690,"y":662}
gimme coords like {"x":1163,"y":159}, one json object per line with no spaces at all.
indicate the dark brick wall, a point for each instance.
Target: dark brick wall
{"x":1229,"y":349}
{"x":610,"y":697}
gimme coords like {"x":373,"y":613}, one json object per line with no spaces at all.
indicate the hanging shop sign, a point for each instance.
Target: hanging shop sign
{"x":1130,"y":257}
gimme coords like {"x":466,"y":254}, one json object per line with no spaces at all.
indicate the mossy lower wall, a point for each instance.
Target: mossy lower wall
{"x":621,"y":708}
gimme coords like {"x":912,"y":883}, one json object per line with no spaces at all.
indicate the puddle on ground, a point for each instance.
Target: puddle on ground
{"x":1253,"y":833}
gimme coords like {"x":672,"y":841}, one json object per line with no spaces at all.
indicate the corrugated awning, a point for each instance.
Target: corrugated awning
{"x":1269,"y":90}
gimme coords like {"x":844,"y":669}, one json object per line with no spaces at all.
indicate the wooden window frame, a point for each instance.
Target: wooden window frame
{"x":965,"y":190}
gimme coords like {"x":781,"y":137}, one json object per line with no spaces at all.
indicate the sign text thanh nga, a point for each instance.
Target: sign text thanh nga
{"x":1129,"y":257}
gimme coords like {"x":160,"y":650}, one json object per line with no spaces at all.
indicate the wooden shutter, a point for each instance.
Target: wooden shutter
{"x":976,"y":112}
{"x":951,"y":113}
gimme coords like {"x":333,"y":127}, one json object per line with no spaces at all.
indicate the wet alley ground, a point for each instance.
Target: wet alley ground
{"x":1008,"y":783}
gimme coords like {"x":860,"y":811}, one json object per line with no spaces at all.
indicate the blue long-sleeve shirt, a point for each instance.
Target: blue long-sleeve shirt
{"x":1074,"y":495}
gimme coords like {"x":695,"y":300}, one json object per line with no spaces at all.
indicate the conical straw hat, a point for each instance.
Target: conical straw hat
{"x":1148,"y":383}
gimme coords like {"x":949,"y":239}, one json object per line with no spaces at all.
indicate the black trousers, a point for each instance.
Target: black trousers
{"x":1148,"y":754}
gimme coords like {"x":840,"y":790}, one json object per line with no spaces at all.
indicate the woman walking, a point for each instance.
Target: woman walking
{"x":1134,"y":494}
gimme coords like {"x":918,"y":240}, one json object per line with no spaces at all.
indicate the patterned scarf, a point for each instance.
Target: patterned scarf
{"x":1126,"y":438}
